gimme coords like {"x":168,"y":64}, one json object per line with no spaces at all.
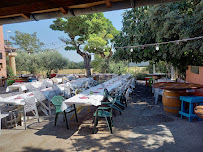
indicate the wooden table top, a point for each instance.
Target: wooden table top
{"x":199,"y":111}
{"x":176,"y":86}
{"x":157,"y":74}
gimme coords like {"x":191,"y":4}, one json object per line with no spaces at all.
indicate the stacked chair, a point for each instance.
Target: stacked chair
{"x":105,"y":112}
{"x":117,"y":102}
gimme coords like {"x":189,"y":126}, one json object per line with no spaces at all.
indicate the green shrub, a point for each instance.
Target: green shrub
{"x":9,"y":71}
{"x":118,"y":68}
{"x":141,"y":76}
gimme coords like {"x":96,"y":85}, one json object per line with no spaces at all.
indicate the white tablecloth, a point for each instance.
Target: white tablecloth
{"x":86,"y":98}
{"x":22,"y":87}
{"x":19,"y":86}
{"x":16,"y":99}
{"x":78,"y":83}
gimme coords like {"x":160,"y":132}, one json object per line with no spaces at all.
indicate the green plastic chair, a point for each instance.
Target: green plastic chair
{"x":150,"y":82}
{"x":57,"y":101}
{"x":10,"y":82}
{"x":104,"y":112}
{"x":117,"y":106}
{"x":120,"y":96}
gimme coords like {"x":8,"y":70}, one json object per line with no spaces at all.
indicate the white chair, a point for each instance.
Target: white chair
{"x":67,"y":91}
{"x":43,"y":86}
{"x":127,"y":95}
{"x":54,"y":80}
{"x":29,"y":106}
{"x":87,"y":85}
{"x":30,"y":87}
{"x":3,"y":116}
{"x":47,"y":84}
{"x":56,"y":90}
{"x":41,"y":99}
{"x":64,"y":80}
{"x":158,"y":92}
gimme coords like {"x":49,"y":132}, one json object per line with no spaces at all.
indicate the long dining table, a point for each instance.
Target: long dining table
{"x":94,"y":95}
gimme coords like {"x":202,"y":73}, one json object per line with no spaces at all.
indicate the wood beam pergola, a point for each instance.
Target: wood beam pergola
{"x":16,"y":11}
{"x":16,"y":7}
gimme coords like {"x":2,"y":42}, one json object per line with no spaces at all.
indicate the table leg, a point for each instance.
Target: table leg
{"x":20,"y":115}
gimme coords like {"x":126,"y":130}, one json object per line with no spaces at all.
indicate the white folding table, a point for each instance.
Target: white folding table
{"x":94,"y":95}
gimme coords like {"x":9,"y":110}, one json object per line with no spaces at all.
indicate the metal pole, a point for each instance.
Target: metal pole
{"x":154,"y":71}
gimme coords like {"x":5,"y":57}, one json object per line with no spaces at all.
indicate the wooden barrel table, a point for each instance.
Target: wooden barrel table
{"x":172,"y":92}
{"x":171,"y":101}
{"x":199,"y":111}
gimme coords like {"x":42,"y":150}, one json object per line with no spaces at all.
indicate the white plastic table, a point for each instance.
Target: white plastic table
{"x":21,"y":87}
{"x":86,"y":98}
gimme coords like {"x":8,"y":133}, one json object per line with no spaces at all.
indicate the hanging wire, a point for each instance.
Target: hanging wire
{"x":157,"y":44}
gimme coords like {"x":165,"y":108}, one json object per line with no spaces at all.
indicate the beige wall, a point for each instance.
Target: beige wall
{"x":195,"y":78}
{"x":2,"y":50}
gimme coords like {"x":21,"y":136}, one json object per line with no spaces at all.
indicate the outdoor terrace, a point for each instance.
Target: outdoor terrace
{"x":143,"y":126}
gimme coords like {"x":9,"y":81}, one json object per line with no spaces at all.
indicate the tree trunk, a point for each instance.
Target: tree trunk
{"x":86,"y":57}
{"x":87,"y":61}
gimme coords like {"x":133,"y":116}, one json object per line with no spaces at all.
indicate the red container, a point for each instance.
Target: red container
{"x":19,"y":81}
{"x":53,"y":75}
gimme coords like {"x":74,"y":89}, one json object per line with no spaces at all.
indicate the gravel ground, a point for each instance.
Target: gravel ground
{"x":142,"y":127}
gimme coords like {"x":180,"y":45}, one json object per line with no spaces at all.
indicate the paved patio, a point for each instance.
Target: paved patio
{"x":143,"y":126}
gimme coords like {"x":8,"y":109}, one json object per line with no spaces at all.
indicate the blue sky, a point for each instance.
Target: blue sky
{"x":51,"y":38}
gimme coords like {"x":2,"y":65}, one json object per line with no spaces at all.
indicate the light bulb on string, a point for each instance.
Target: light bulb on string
{"x":95,"y":48}
{"x":157,"y":47}
{"x":131,"y":50}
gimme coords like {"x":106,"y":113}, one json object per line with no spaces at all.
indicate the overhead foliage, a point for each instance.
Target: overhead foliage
{"x":27,"y":42}
{"x":86,"y":34}
{"x":162,"y":23}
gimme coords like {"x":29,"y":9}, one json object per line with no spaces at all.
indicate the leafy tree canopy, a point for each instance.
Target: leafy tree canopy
{"x":48,"y":60}
{"x":52,"y":60}
{"x":86,"y":34}
{"x":27,"y":42}
{"x":161,"y":23}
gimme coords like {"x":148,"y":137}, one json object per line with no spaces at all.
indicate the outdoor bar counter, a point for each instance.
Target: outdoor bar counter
{"x":172,"y":92}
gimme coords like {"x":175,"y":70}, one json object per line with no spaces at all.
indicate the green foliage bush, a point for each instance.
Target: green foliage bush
{"x":34,"y":62}
{"x":9,"y":72}
{"x":141,"y":76}
{"x":118,"y":68}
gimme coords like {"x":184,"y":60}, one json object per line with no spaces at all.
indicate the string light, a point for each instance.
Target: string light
{"x":157,"y":47}
{"x":157,"y":44}
{"x":131,"y":50}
